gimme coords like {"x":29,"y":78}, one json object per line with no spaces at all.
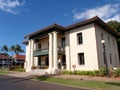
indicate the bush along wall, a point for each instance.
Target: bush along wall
{"x":16,"y":68}
{"x":101,"y":72}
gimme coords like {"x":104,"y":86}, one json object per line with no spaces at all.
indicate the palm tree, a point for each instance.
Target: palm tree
{"x":16,"y":49}
{"x":19,"y":49}
{"x":13,"y":49}
{"x":5,"y":49}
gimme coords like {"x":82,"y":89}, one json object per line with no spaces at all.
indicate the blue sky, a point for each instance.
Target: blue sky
{"x":21,"y":17}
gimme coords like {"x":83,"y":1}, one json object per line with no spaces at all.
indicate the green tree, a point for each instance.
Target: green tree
{"x":19,"y":49}
{"x":13,"y":49}
{"x":16,"y":49}
{"x":115,"y":25}
{"x":5,"y":49}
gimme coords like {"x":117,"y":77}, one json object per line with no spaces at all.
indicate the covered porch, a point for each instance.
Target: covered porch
{"x":45,"y":49}
{"x":42,"y":57}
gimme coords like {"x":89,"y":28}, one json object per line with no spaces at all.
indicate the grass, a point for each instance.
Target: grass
{"x":3,"y":72}
{"x":96,"y":85}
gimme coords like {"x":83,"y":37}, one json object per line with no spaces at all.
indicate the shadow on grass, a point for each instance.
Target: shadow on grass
{"x":45,"y":77}
{"x":113,"y":83}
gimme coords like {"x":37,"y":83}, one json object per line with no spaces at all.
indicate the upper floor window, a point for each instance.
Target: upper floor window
{"x":81,"y":60}
{"x":63,"y":42}
{"x":79,"y":38}
{"x":39,"y":46}
{"x":108,"y":41}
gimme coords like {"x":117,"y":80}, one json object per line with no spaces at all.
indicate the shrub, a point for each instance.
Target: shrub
{"x":102,"y":71}
{"x":17,"y":68}
{"x":33,"y":67}
{"x":116,"y":72}
{"x":96,"y":72}
{"x":80,"y":72}
{"x":4,"y":69}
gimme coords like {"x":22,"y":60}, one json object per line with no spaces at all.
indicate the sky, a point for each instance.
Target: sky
{"x":21,"y":17}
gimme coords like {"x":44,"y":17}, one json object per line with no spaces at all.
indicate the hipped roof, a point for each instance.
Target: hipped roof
{"x":95,"y":20}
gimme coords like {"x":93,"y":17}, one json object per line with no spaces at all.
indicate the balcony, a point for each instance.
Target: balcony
{"x":40,"y":52}
{"x":46,"y":52}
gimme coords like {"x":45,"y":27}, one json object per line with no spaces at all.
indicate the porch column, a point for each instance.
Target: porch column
{"x":31,"y":53}
{"x":36,"y":58}
{"x":55,"y":52}
{"x":27,"y":58}
{"x":50,"y":50}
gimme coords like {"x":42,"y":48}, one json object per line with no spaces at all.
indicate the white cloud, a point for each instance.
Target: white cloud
{"x":106,"y":12}
{"x":11,"y":6}
{"x":115,"y":18}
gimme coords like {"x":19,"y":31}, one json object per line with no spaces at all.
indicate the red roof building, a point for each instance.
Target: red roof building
{"x":4,"y":56}
{"x":20,"y":57}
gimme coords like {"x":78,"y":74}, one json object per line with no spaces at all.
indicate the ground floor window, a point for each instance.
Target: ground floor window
{"x":81,"y":60}
{"x":110,"y":58}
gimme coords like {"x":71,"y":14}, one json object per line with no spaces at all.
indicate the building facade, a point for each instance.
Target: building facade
{"x":5,"y":60}
{"x":79,"y":45}
{"x":18,"y":60}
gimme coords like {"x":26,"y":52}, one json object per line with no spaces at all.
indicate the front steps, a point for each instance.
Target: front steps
{"x":38,"y":71}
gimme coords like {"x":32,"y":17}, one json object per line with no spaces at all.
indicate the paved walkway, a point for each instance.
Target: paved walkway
{"x":23,"y":74}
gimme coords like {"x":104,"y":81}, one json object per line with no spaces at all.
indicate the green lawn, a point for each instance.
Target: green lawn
{"x":96,"y":85}
{"x":3,"y":72}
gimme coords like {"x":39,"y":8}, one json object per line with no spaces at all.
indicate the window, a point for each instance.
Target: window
{"x":81,"y":58}
{"x":39,"y":46}
{"x":79,"y":38}
{"x":63,"y":42}
{"x":110,"y":58}
{"x":109,"y":41}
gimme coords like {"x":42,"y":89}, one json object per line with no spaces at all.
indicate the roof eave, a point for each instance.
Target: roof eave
{"x":96,"y":20}
{"x":44,"y":29}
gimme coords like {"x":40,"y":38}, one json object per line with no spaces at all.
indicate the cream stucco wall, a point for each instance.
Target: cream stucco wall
{"x":111,"y":47}
{"x":88,"y":47}
{"x":91,"y":47}
{"x":67,"y":51}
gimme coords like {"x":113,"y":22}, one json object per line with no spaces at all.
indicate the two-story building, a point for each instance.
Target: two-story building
{"x":5,"y":60}
{"x":18,"y":60}
{"x":57,"y":47}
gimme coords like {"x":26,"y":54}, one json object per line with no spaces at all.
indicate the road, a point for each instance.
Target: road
{"x":15,"y":83}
